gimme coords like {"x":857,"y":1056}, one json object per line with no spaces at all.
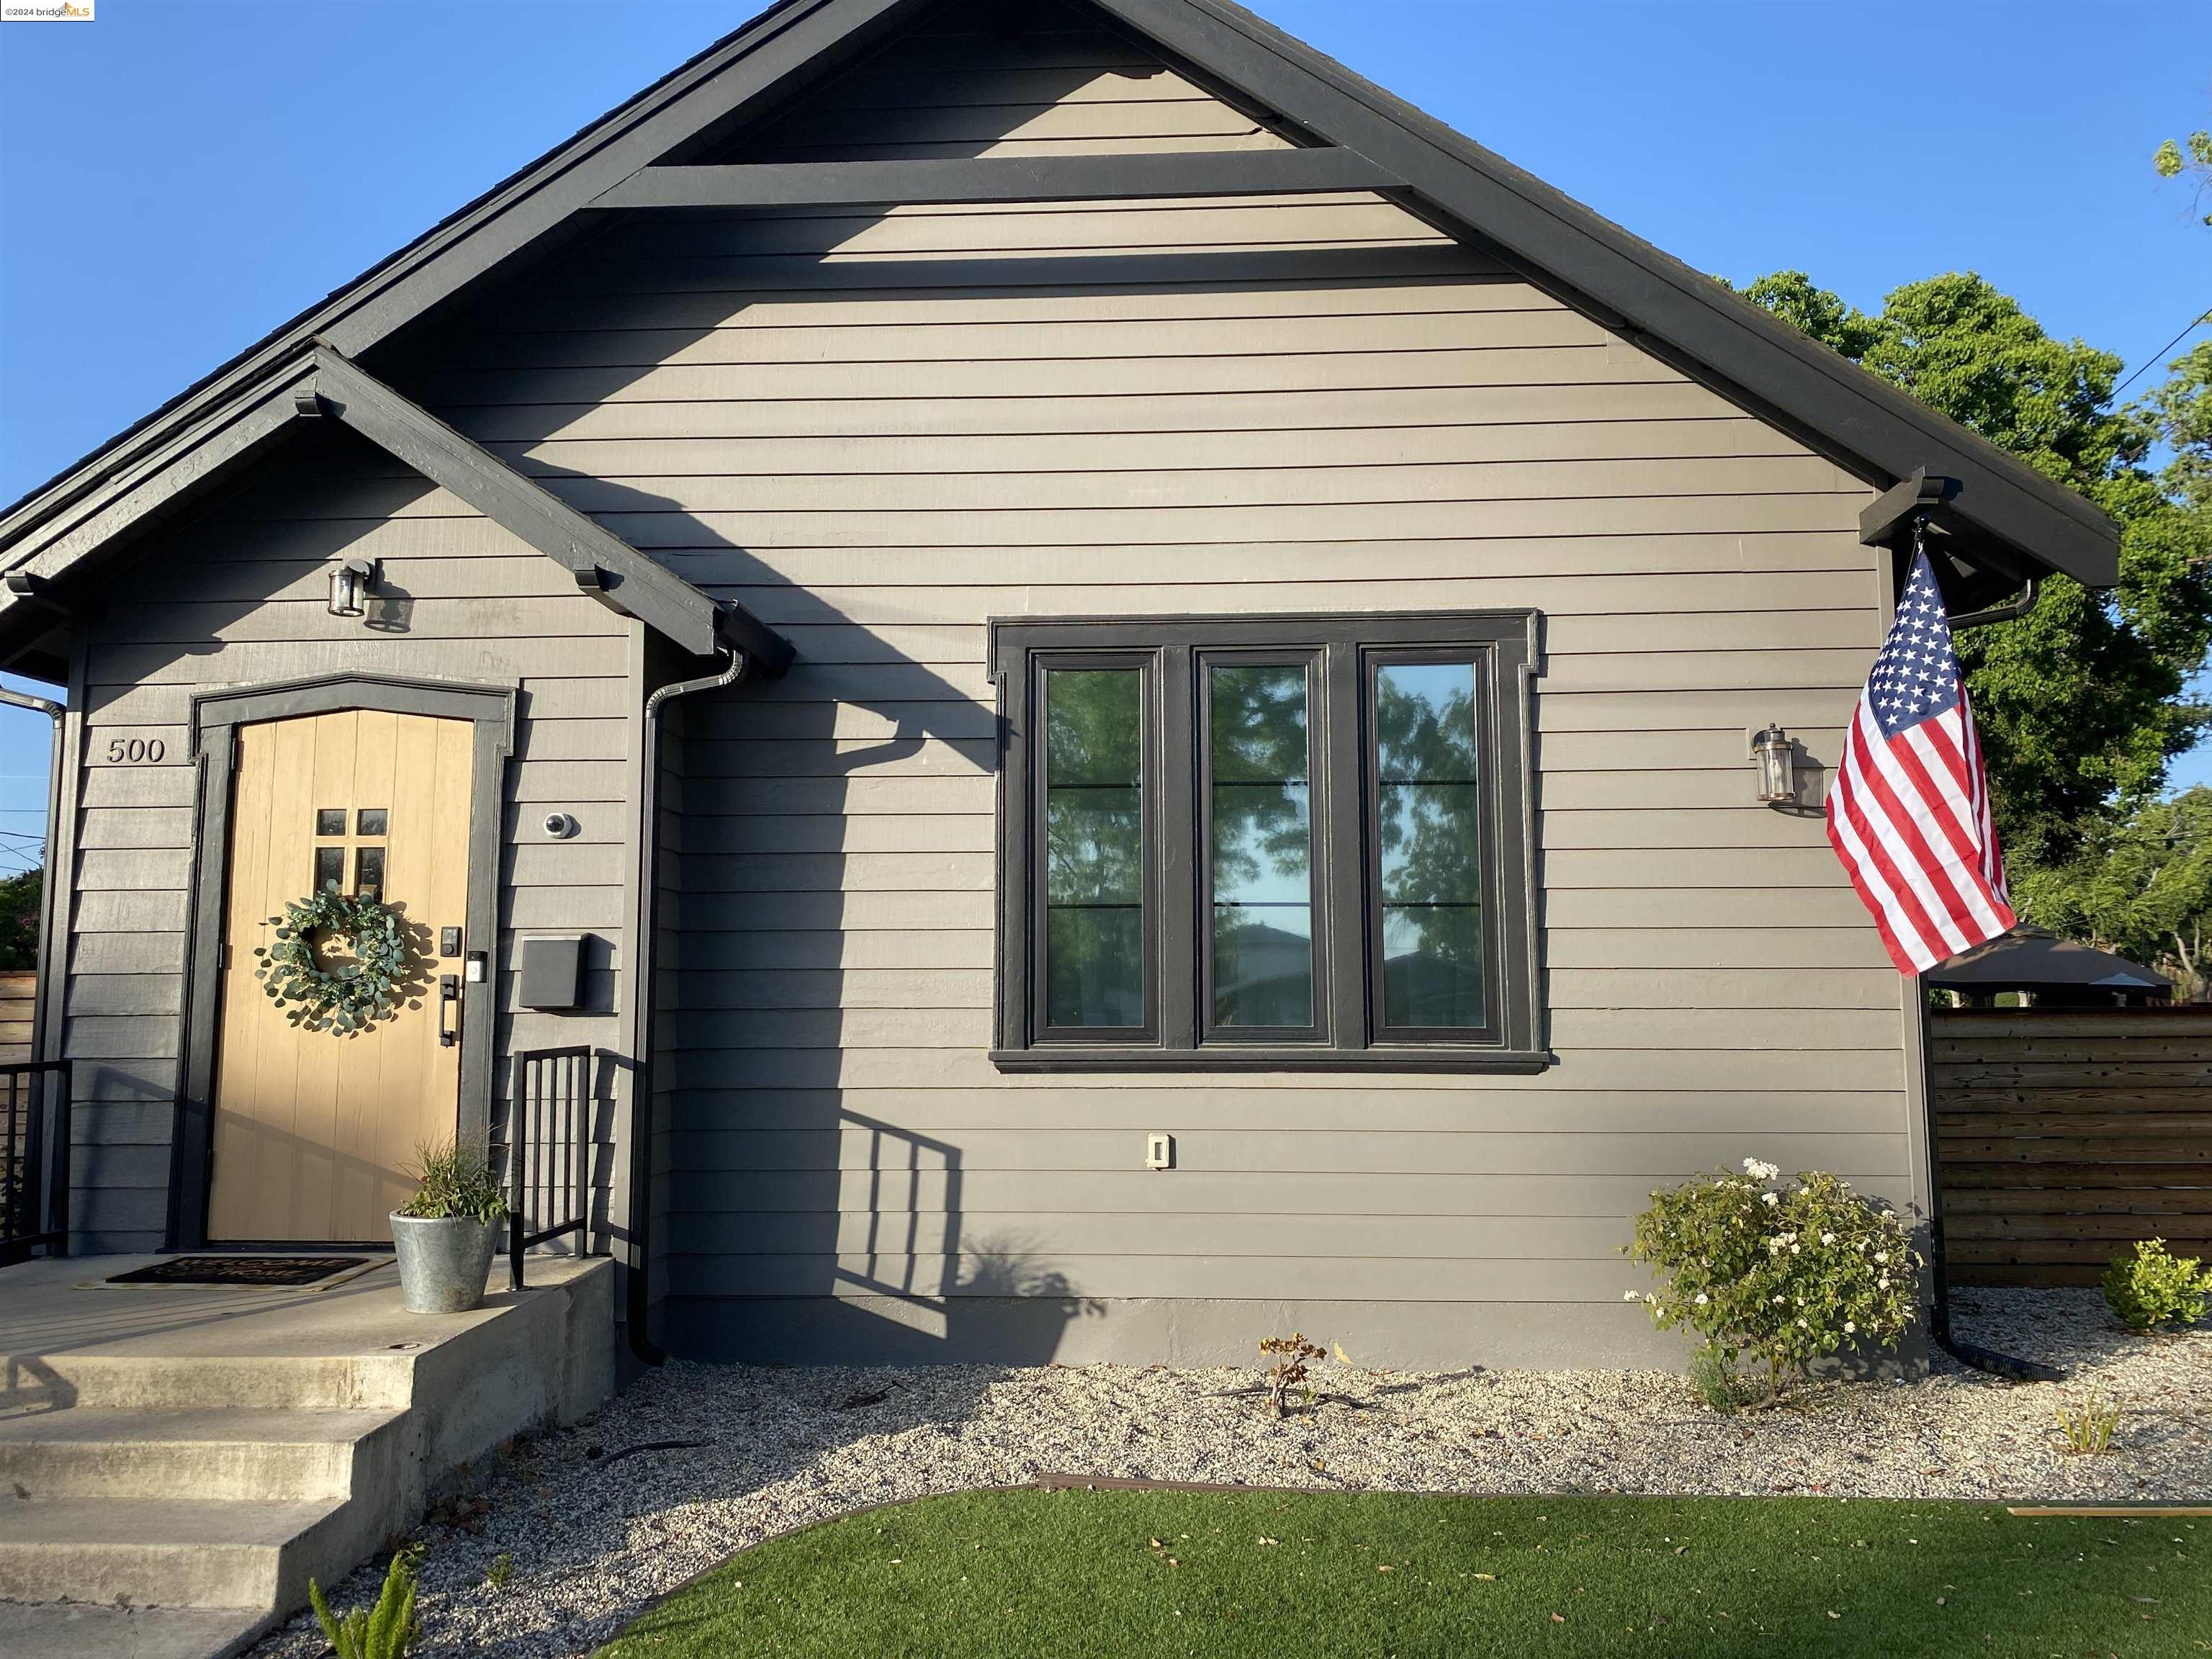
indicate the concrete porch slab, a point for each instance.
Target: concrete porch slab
{"x":203,"y":1451}
{"x":70,"y":1630}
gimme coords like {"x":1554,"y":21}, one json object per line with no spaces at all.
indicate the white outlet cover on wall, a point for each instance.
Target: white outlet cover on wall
{"x":1160,"y":1151}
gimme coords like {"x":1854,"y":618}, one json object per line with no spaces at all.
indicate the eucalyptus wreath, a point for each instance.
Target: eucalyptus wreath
{"x":344,"y":1000}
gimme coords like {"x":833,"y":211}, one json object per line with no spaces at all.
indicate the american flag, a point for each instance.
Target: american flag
{"x":1908,"y":814}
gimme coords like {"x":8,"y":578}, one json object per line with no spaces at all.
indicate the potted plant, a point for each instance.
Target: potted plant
{"x":445,"y":1235}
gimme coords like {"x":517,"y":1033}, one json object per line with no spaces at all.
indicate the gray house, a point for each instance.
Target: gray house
{"x":1105,"y":676}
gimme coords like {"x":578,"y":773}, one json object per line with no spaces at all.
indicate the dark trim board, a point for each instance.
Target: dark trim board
{"x":215,"y":718}
{"x":604,"y":565}
{"x":1022,"y":178}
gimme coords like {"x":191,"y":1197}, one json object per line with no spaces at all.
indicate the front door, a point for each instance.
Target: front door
{"x":315,"y":1132}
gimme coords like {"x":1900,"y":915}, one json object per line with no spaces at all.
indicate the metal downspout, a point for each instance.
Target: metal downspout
{"x":642,"y":1004}
{"x":1997,"y":613}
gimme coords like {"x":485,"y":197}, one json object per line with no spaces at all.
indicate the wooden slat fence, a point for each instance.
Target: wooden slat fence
{"x":16,"y":992}
{"x":2065,"y":1134}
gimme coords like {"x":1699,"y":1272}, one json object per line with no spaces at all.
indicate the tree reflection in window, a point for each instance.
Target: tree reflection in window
{"x":1262,"y":850}
{"x":1094,"y":832}
{"x":1429,"y":809}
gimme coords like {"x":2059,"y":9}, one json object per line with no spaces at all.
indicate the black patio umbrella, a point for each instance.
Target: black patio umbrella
{"x":2057,"y":970}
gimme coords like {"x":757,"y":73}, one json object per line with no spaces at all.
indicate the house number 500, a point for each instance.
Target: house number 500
{"x":135,"y":751}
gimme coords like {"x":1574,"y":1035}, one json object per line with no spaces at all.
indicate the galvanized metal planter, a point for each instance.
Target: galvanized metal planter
{"x":443,"y":1262}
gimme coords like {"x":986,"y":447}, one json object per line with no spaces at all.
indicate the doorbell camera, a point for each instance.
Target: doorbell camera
{"x":559,"y":826}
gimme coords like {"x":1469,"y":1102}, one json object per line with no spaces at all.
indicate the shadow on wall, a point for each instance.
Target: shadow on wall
{"x":798,"y":1229}
{"x":909,"y":1290}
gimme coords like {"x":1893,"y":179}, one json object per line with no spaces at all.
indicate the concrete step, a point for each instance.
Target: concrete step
{"x":72,"y":1630}
{"x":147,"y":1382}
{"x":165,"y":1552}
{"x":230,"y":1455}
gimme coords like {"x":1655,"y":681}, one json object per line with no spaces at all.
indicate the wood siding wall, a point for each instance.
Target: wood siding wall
{"x":238,"y":598}
{"x":877,"y":431}
{"x":2065,"y":1135}
{"x":18,"y":1001}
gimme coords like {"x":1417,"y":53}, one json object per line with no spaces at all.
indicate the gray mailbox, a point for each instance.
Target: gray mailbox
{"x":553,"y":972}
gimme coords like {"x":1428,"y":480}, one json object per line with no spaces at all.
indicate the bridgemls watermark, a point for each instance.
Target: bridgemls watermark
{"x":45,"y":11}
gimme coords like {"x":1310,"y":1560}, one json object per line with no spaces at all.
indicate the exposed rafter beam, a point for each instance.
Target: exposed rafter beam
{"x":1019,"y":178}
{"x":604,"y":566}
{"x":319,"y":383}
{"x":1890,"y":514}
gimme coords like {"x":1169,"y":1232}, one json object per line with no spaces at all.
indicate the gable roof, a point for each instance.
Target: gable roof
{"x":2005,"y":514}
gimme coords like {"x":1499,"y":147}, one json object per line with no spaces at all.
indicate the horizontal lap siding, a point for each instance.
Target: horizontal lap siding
{"x":237,"y":598}
{"x":879,"y":432}
{"x":18,"y":1001}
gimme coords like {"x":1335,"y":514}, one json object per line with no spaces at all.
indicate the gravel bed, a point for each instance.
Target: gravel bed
{"x":597,"y":1529}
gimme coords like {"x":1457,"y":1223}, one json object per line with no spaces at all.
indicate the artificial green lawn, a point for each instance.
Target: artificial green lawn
{"x":1063,"y":1573}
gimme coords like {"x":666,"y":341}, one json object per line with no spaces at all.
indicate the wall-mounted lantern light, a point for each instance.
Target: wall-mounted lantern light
{"x":1777,"y":755}
{"x":351,"y":583}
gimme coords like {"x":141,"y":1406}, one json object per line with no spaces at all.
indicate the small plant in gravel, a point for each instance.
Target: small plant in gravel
{"x":1786,"y":1271}
{"x":500,"y":1573}
{"x":2087,"y":1425}
{"x":1714,"y":1376}
{"x":1289,"y":1354}
{"x":384,"y":1632}
{"x":2149,"y":1287}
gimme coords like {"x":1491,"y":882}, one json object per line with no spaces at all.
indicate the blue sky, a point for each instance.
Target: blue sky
{"x":179,"y":176}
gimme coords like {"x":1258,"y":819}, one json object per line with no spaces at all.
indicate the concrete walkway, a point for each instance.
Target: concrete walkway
{"x":176,"y":1462}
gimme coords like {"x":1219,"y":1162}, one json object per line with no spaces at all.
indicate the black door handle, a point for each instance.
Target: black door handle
{"x":449,"y":996}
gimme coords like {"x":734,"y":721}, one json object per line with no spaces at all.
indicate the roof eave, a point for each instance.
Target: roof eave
{"x":1871,"y":427}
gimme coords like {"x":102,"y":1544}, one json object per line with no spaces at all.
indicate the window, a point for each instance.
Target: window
{"x":1268,"y":843}
{"x":1096,"y":861}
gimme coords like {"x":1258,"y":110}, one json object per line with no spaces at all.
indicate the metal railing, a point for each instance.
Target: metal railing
{"x":34,"y":1159}
{"x":549,"y":1150}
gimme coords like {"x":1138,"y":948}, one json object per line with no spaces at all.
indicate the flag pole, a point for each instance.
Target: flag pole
{"x":1969,"y":1354}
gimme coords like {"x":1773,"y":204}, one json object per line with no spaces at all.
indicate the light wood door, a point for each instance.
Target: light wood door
{"x":315,"y":1130}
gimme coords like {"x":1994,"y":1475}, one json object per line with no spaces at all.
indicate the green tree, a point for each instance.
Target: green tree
{"x":2191,"y":156}
{"x":2143,"y":888}
{"x":2081,"y":704}
{"x":19,"y":920}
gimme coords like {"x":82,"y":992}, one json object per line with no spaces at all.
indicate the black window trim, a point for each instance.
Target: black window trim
{"x":1149,"y":771}
{"x":1505,"y":642}
{"x":1315,"y":1031}
{"x":1372,"y":659}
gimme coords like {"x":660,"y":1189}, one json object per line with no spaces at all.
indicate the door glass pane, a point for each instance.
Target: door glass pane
{"x":1262,"y":845}
{"x":330,"y":869}
{"x":1094,"y":831}
{"x":330,"y":820}
{"x":1429,"y":805}
{"x":368,"y":872}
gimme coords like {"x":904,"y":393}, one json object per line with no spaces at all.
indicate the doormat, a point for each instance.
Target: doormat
{"x":287,"y":1272}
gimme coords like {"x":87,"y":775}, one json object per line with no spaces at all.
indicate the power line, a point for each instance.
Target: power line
{"x":2195,"y":324}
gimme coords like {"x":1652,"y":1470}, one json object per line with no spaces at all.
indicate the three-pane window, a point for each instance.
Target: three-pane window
{"x":1268,"y":842}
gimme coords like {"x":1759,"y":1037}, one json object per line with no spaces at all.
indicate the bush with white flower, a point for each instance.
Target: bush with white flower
{"x":1784,"y":1271}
